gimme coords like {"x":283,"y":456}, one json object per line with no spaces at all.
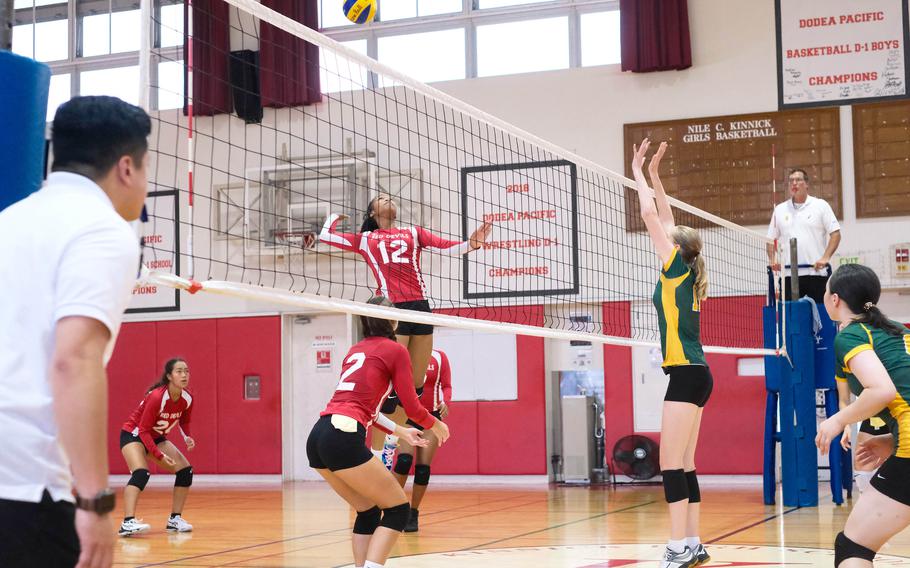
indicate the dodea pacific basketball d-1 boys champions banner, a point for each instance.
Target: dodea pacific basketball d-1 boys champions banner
{"x":841,"y":51}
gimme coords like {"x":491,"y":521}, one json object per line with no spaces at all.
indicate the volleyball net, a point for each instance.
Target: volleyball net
{"x":284,"y":127}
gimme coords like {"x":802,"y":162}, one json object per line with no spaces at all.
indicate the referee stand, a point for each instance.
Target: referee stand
{"x":791,"y":382}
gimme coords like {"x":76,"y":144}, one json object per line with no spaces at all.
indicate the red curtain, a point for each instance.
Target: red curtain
{"x":654,"y":35}
{"x":211,"y":72}
{"x":289,"y":66}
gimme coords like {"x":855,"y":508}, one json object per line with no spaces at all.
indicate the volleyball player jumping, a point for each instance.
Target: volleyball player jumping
{"x":336,"y":448}
{"x":681,"y":289}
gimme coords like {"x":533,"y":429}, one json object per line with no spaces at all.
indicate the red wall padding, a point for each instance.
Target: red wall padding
{"x":232,"y":435}
{"x":731,"y":435}
{"x":502,"y":437}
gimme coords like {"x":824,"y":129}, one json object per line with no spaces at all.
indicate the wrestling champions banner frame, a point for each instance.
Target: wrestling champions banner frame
{"x":505,"y":195}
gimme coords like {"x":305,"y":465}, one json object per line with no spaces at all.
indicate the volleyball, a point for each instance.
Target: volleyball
{"x":360,"y":11}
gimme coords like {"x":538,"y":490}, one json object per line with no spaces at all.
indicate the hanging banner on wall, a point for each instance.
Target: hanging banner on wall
{"x":161,"y":252}
{"x":534,"y":245}
{"x":832,"y":52}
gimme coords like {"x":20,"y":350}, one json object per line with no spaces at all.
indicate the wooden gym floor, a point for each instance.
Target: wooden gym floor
{"x":304,"y":524}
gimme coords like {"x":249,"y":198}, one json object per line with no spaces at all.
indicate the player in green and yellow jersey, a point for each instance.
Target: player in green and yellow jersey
{"x":873,"y":356}
{"x":681,"y":289}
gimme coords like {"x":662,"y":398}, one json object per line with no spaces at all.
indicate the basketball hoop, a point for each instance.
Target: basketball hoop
{"x":295,"y":239}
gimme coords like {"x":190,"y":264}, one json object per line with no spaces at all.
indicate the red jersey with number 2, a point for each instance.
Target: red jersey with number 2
{"x":369,"y":372}
{"x":157,"y":415}
{"x":393,"y":255}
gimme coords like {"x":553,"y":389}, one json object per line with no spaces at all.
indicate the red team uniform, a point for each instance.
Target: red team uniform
{"x":157,"y":415}
{"x":369,"y":372}
{"x":393,"y":255}
{"x":438,"y":387}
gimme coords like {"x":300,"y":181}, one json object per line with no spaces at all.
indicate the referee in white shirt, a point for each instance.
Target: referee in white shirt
{"x":812,"y":222}
{"x":68,"y":262}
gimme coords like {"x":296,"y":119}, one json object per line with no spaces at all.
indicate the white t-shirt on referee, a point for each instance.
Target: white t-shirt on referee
{"x":64,"y":251}
{"x":810,"y":223}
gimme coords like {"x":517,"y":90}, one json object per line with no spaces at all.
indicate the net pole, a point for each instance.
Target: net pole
{"x":6,"y":24}
{"x":190,"y":155}
{"x":145,"y":52}
{"x":774,"y":255}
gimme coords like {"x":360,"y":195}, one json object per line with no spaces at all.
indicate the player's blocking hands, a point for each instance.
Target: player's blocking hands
{"x":638,"y":155}
{"x":412,"y":436}
{"x":654,"y":164}
{"x":480,"y":236}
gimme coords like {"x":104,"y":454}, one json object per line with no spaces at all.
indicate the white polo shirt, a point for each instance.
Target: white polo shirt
{"x":810,"y":223}
{"x":64,"y":251}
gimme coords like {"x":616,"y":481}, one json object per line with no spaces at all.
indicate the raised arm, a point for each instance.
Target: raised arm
{"x":344,"y":241}
{"x":662,"y":243}
{"x":429,"y":240}
{"x":660,"y":196}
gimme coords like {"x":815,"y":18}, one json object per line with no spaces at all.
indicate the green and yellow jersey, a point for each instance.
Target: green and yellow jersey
{"x":678,"y":314}
{"x":894,"y":353}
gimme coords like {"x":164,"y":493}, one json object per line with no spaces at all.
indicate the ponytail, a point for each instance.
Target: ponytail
{"x":874,"y":317}
{"x":369,"y":222}
{"x":701,"y":277}
{"x":168,"y":369}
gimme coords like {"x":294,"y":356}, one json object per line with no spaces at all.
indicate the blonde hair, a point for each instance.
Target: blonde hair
{"x":690,"y":245}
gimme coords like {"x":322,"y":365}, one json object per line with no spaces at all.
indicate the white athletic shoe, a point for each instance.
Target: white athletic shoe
{"x":177,"y":524}
{"x":133,"y":526}
{"x":684,"y":559}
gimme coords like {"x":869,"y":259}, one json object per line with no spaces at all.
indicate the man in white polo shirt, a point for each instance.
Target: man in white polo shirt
{"x":68,"y":262}
{"x":812,"y":222}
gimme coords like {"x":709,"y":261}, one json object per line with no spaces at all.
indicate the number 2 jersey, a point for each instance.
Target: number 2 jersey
{"x":157,"y":415}
{"x":894,"y":353}
{"x":369,"y":372}
{"x":393,"y":255}
{"x":438,"y":387}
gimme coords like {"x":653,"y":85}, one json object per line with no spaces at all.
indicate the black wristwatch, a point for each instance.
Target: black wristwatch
{"x":102,"y":503}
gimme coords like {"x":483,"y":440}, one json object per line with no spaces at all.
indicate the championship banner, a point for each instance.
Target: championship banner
{"x":161,"y":252}
{"x":534,"y":246}
{"x":832,"y":52}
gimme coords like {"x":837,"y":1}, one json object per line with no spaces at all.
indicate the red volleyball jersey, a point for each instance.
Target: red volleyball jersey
{"x":157,"y":415}
{"x":438,"y":387}
{"x":393,"y":255}
{"x":369,"y":372}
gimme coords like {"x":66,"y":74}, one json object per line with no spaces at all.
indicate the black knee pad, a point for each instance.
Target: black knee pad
{"x":184,"y":477}
{"x":421,"y":474}
{"x":845,"y":548}
{"x":675,"y":486}
{"x":367,"y":521}
{"x":403,"y":464}
{"x":692,"y":482}
{"x":139,"y":478}
{"x":396,"y":518}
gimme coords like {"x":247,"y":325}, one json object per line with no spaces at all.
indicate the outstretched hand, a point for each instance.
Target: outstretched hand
{"x":412,"y":437}
{"x":480,"y":236}
{"x":654,"y":164}
{"x":639,"y":152}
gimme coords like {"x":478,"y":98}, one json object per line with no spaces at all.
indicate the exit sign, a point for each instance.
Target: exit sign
{"x":849,"y":260}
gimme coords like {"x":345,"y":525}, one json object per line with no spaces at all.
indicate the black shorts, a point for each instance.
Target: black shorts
{"x":408,"y":328}
{"x":689,"y":383}
{"x":392,"y":402}
{"x":129,"y":438}
{"x":893,"y":479}
{"x":412,"y":424}
{"x":867,"y":427}
{"x":330,"y":448}
{"x":38,"y":534}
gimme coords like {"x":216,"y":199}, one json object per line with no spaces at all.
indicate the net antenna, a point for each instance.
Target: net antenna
{"x":565,"y":241}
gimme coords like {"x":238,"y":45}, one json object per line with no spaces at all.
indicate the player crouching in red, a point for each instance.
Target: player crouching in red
{"x":167,"y":403}
{"x":337,"y":447}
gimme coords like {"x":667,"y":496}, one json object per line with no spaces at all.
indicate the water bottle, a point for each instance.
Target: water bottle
{"x":388,"y":450}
